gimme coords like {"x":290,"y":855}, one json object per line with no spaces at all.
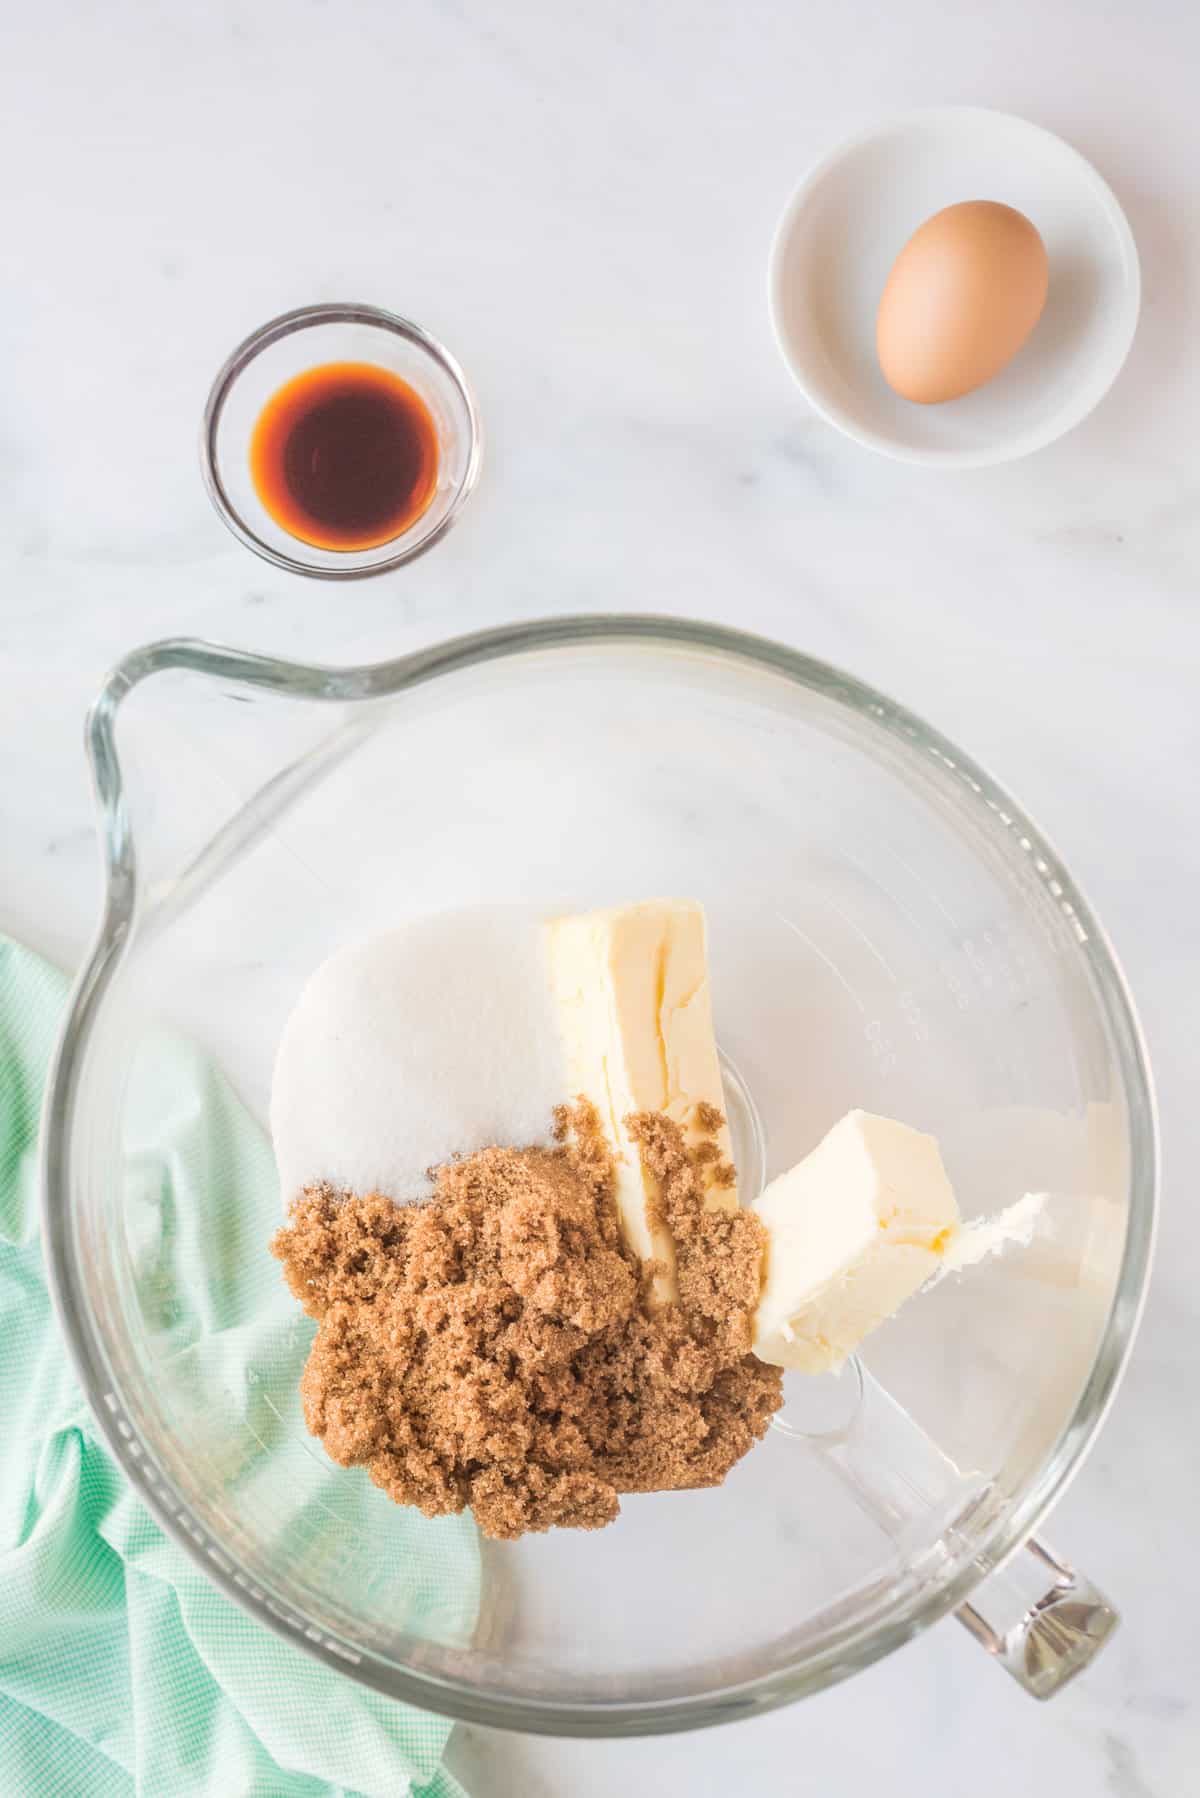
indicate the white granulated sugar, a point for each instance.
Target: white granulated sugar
{"x":434,"y":1039}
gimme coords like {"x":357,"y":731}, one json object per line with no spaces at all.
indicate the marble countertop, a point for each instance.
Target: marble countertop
{"x":579,"y":201}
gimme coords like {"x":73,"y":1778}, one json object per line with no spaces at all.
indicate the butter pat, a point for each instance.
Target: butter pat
{"x":986,"y":1236}
{"x":631,"y":990}
{"x":854,"y":1229}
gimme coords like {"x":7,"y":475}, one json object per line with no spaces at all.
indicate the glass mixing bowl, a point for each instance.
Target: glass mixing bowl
{"x":887,"y":929}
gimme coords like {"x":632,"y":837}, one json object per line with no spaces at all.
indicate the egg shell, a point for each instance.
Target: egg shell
{"x":963,"y":296}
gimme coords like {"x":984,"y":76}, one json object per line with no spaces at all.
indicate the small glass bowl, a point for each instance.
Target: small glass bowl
{"x":304,"y":339}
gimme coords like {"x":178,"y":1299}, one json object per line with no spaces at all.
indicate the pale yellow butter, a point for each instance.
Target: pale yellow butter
{"x":853,"y":1231}
{"x":631,"y":990}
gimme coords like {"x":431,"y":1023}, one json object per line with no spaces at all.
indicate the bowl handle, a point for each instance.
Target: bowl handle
{"x":1034,"y":1614}
{"x":1040,"y":1619}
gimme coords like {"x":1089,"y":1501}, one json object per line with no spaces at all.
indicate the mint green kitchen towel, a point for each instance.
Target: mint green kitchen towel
{"x":123,"y":1671}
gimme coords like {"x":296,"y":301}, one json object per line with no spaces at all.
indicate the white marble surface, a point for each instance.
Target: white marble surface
{"x":580,"y":202}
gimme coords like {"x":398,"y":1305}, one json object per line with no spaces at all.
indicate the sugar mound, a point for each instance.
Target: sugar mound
{"x":434,"y":1039}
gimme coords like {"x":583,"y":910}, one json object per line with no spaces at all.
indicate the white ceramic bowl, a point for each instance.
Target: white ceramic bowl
{"x":854,"y":212}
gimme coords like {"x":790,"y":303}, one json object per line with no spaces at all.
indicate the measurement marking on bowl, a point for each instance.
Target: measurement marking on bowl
{"x":300,"y":1443}
{"x":869,"y":945}
{"x":881,"y":1046}
{"x":821,"y":956}
{"x":924,"y":886}
{"x":988,"y":966}
{"x":892,"y":897}
{"x":916,"y":1019}
{"x":955,"y":986}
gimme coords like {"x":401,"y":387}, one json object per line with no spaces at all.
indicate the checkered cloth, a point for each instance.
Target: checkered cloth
{"x":122,"y":1669}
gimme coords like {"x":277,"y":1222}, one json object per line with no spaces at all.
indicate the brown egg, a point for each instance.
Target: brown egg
{"x":963,"y":295}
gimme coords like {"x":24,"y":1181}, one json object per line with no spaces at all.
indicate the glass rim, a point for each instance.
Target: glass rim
{"x":301,"y":318}
{"x":844,"y":1647}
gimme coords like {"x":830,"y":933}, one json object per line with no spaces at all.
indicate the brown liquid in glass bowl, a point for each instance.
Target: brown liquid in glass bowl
{"x":345,"y":456}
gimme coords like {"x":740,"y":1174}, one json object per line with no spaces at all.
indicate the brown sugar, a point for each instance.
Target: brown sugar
{"x":494,"y":1347}
{"x":709,"y":1118}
